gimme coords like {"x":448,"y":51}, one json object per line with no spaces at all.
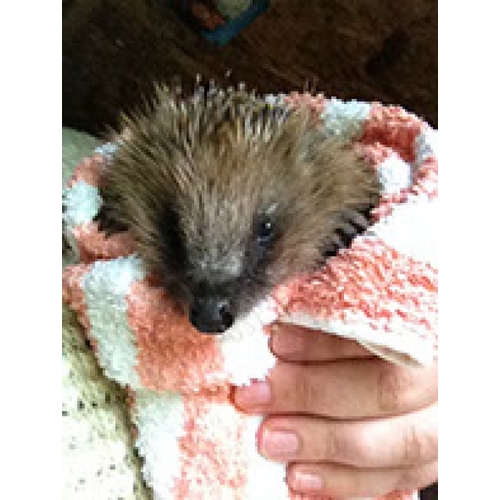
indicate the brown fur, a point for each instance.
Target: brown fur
{"x":193,"y":176}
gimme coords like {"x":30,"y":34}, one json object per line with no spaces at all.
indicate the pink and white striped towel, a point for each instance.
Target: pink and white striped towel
{"x":381,"y":292}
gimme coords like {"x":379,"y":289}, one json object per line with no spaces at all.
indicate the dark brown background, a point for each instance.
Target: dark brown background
{"x":385,"y":50}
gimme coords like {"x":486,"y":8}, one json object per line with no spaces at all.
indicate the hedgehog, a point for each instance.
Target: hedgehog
{"x":228,"y":194}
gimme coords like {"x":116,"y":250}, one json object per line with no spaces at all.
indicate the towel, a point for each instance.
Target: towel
{"x":382,"y":292}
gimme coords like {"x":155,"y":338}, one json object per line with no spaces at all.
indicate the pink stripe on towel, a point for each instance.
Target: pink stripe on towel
{"x":72,"y":291}
{"x":93,"y":244}
{"x":211,"y":466}
{"x":88,"y":170}
{"x":393,"y":127}
{"x":172,"y":354}
{"x":371,"y":281}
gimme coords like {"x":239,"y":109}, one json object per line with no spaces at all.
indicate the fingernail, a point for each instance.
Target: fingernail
{"x":253,"y":397}
{"x":285,"y":342}
{"x":279,"y":444}
{"x":306,"y":482}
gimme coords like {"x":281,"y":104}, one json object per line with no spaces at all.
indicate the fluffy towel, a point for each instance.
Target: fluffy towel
{"x":382,"y":292}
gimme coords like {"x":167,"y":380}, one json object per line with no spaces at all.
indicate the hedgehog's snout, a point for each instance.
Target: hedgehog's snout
{"x":211,"y":314}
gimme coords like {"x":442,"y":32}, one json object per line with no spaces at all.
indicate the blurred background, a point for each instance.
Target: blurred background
{"x":113,"y":51}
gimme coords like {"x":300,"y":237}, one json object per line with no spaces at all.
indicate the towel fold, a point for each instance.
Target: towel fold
{"x":382,"y":292}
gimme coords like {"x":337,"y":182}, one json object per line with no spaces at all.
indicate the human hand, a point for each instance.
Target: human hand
{"x":349,"y":424}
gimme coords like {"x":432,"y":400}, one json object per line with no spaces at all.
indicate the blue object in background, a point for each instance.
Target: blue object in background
{"x":224,"y":34}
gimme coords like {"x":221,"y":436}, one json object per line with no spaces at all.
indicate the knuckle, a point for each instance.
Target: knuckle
{"x":304,"y":392}
{"x":420,"y":444}
{"x":417,"y":477}
{"x":394,"y":388}
{"x":329,"y":445}
{"x":413,"y":445}
{"x":338,"y":445}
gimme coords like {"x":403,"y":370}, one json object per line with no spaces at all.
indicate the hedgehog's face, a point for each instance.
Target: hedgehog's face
{"x":218,"y":263}
{"x":230,"y":202}
{"x":240,"y":223}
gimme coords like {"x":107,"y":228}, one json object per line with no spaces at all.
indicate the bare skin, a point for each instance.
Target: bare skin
{"x":347,"y":423}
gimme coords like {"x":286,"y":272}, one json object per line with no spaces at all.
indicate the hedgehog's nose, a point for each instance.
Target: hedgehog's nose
{"x":211,"y":314}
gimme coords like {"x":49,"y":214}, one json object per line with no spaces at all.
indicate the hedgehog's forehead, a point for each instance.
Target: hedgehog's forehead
{"x":217,"y":232}
{"x":218,"y":211}
{"x":224,"y":213}
{"x":212,"y":264}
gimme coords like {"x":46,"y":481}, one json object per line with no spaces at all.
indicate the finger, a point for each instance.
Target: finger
{"x":340,"y":481}
{"x":296,"y":343}
{"x":346,"y":389}
{"x":406,"y":440}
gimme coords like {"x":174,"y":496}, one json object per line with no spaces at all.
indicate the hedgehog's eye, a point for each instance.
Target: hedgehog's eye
{"x":265,"y":232}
